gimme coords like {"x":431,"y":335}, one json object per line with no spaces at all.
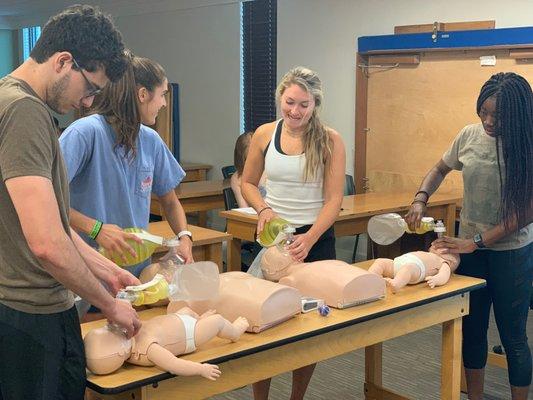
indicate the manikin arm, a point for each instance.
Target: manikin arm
{"x":441,"y":278}
{"x":165,"y":360}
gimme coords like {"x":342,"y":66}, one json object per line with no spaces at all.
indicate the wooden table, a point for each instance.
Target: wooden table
{"x":200,"y":196}
{"x":353,"y":218}
{"x":207,"y":243}
{"x":307,"y":339}
{"x":195,"y":171}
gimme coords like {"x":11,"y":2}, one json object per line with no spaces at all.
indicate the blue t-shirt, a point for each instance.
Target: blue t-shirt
{"x":107,"y":185}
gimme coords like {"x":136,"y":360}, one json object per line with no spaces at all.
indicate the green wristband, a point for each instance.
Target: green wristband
{"x":96,"y":230}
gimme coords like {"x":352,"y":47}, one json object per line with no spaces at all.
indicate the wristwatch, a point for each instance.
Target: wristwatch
{"x":185,"y":233}
{"x":478,"y":240}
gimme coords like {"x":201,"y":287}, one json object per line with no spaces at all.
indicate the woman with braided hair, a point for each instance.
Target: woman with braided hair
{"x":496,"y":230}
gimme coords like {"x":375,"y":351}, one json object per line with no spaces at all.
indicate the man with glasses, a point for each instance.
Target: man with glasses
{"x":92,"y":89}
{"x":41,"y":260}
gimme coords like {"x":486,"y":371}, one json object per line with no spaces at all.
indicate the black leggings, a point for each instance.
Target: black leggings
{"x":509,"y":276}
{"x":324,"y":248}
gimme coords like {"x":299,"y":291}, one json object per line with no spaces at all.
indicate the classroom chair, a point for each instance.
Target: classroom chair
{"x":228,"y":170}
{"x":248,"y":249}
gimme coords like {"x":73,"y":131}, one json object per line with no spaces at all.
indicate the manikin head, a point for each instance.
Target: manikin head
{"x":106,"y":349}
{"x":452,"y":259}
{"x":275,"y":264}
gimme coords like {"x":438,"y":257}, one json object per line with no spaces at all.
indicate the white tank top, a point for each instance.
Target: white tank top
{"x":289,"y":196}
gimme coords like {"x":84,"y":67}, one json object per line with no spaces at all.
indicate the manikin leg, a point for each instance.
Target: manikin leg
{"x":216,"y":325}
{"x":407,"y":273}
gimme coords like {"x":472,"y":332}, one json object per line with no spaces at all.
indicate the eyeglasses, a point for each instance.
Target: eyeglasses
{"x":93,"y":89}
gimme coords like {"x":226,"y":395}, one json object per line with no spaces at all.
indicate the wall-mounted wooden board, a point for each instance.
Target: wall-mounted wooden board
{"x":415,"y":111}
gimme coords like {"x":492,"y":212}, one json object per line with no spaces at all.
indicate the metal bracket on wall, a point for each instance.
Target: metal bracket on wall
{"x":365,"y":67}
{"x":434,"y":34}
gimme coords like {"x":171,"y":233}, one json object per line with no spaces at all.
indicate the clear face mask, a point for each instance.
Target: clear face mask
{"x":288,"y":232}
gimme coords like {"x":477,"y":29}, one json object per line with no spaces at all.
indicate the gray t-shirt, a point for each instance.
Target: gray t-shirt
{"x":28,"y":147}
{"x":474,"y":153}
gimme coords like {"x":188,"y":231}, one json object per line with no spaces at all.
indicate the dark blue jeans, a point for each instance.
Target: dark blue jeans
{"x":509,"y":276}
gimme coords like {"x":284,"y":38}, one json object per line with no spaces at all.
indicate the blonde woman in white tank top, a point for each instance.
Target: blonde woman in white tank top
{"x":305,"y":166}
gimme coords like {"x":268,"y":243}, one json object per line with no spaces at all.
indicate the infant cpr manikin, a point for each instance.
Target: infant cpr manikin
{"x":433,"y":266}
{"x":159,"y":341}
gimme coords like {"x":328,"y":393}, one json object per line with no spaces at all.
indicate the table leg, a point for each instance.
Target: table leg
{"x":202,"y":218}
{"x":450,"y":219}
{"x":463,"y":379}
{"x":213,"y":252}
{"x":234,"y":255}
{"x":373,"y":369}
{"x":451,"y":359}
{"x":374,"y":389}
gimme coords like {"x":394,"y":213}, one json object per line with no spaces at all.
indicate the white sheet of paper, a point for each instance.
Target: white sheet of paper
{"x":487,"y":60}
{"x":245,"y":210}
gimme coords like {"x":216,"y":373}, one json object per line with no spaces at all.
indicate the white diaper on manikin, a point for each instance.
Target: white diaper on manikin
{"x":402,"y":260}
{"x":189,"y":323}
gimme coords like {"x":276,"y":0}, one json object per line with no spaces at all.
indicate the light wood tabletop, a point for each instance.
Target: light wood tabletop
{"x":353,"y":218}
{"x":207,"y":243}
{"x":309,"y":338}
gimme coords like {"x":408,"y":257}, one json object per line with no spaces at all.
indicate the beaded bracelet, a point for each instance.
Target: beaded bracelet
{"x":96,"y":230}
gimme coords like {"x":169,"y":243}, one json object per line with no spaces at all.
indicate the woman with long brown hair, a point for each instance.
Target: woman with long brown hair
{"x":115,"y":161}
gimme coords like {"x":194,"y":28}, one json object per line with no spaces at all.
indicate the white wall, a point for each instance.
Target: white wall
{"x":200,"y":50}
{"x":322,"y":35}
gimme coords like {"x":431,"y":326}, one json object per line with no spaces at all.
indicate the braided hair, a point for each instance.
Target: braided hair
{"x":514,"y":139}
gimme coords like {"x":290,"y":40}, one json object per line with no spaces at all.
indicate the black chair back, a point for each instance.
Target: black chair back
{"x":229,"y":199}
{"x":228,"y":170}
{"x":349,"y":186}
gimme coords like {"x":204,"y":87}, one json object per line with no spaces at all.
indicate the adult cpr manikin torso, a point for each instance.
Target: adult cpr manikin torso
{"x":339,"y":284}
{"x":264,"y":304}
